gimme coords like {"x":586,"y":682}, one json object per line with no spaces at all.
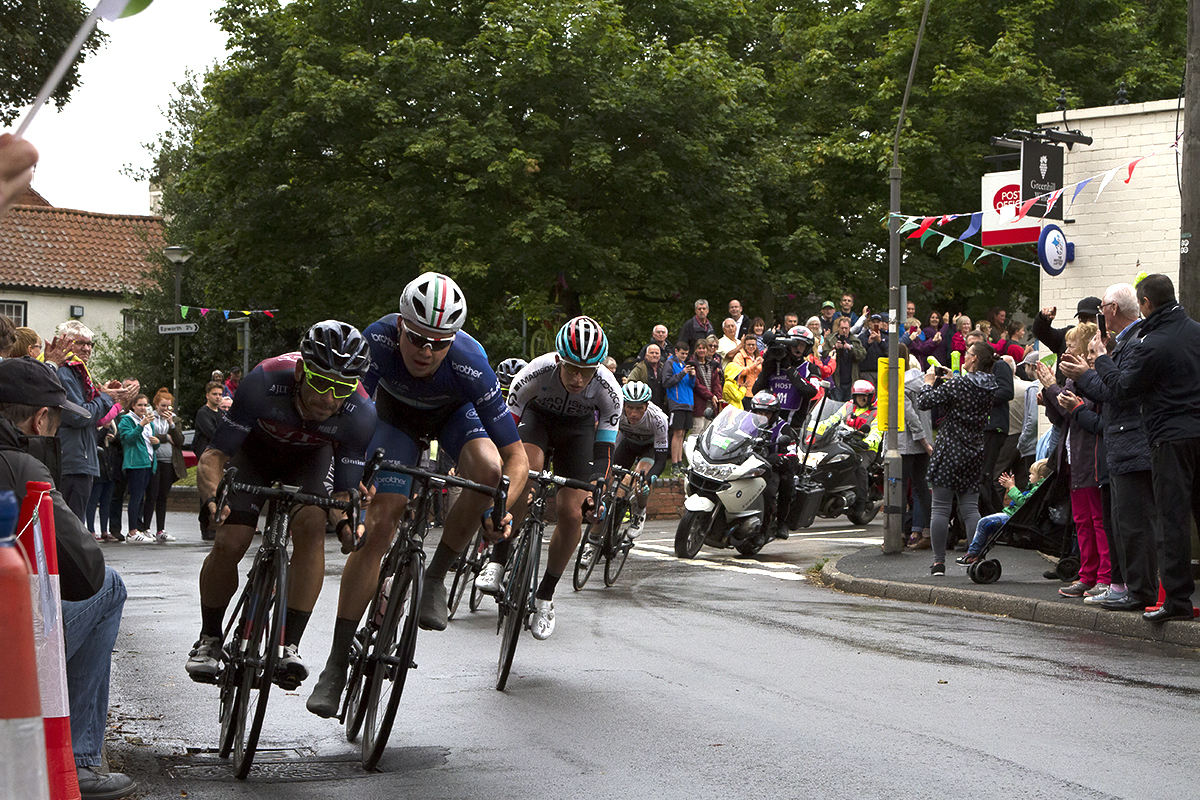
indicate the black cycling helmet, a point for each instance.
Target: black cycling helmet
{"x":507,"y":369}
{"x":336,"y":348}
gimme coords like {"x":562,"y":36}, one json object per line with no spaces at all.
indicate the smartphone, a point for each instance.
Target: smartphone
{"x":1100,"y":322}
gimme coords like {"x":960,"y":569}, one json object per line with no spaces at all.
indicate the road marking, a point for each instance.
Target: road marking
{"x":729,"y":565}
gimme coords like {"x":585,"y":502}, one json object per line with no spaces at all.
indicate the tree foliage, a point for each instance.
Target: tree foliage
{"x":615,"y":158}
{"x":32,"y":37}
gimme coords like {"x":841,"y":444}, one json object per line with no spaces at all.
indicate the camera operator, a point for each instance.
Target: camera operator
{"x":786,"y":375}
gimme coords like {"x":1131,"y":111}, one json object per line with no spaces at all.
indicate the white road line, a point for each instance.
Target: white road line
{"x":728,"y":566}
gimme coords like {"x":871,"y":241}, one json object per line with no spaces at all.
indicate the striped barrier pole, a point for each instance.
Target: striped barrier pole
{"x":35,"y":536}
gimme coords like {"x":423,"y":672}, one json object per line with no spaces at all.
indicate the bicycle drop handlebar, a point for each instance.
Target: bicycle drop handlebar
{"x":499,"y":494}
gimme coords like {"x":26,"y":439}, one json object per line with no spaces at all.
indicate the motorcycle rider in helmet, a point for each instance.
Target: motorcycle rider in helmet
{"x":859,"y":413}
{"x":788,"y":375}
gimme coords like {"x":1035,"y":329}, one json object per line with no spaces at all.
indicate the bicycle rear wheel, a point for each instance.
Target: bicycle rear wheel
{"x":259,"y":657}
{"x":514,"y":602}
{"x":585,"y":560}
{"x":464,"y":572}
{"x":392,"y":657}
{"x":617,"y":545}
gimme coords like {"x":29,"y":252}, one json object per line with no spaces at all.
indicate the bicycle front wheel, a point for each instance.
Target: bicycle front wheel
{"x":617,"y":546}
{"x":395,"y":645}
{"x":259,"y":657}
{"x":514,"y":602}
{"x":464,"y":572}
{"x":590,"y":545}
{"x":230,"y":682}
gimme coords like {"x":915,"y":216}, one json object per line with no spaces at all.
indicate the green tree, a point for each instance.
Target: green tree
{"x":33,"y":35}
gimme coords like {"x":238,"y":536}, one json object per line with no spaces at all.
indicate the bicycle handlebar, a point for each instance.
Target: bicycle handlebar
{"x":499,"y":494}
{"x":293,"y":496}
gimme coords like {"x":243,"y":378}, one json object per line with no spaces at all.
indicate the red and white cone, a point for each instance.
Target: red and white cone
{"x":35,"y":536}
{"x":22,"y":741}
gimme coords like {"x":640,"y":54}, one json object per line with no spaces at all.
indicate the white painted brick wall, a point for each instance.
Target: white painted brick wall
{"x":1138,"y":221}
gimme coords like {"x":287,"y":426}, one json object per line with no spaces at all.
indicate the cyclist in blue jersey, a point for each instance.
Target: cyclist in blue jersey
{"x":429,"y":380}
{"x":295,"y":418}
{"x":568,"y":406}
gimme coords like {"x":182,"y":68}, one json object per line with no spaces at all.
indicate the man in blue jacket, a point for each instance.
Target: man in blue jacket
{"x":680,"y":384}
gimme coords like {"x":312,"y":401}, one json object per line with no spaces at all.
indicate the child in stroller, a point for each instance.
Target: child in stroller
{"x":989,"y":526}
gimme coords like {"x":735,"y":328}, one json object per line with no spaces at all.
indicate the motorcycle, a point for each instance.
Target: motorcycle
{"x":828,"y":485}
{"x":726,"y":480}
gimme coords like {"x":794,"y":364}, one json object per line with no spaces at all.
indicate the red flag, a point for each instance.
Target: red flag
{"x":1132,"y":164}
{"x":925,"y":223}
{"x":1024,"y":209}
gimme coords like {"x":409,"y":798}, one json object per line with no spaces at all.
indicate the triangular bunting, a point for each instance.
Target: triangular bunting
{"x":226,"y":313}
{"x":1079,"y":188}
{"x":269,"y":314}
{"x":926,"y":235}
{"x":204,"y":312}
{"x":925,"y":223}
{"x":1108,"y":176}
{"x":183,"y":311}
{"x":946,"y":240}
{"x":1028,"y":204}
{"x":908,"y":225}
{"x":1004,"y":264}
{"x":1133,"y":164}
{"x":976,"y":224}
{"x":967,"y":252}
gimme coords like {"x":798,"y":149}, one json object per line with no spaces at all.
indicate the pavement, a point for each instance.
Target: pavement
{"x":1020,"y":593}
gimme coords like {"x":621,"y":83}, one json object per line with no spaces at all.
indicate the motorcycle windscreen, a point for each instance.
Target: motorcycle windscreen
{"x":731,"y":434}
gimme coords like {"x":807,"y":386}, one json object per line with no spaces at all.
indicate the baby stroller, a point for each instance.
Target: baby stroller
{"x":1043,"y":523}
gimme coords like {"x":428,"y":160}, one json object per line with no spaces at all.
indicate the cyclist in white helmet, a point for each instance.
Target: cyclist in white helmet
{"x":429,"y":379}
{"x":642,"y":438}
{"x":567,"y":405}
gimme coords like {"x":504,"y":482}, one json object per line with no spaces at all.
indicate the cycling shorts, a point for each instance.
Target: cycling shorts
{"x":628,"y":452}
{"x":568,"y":441}
{"x":310,"y":469}
{"x":399,"y":440}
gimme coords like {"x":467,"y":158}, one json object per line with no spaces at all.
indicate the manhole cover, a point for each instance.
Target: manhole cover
{"x":295,"y":765}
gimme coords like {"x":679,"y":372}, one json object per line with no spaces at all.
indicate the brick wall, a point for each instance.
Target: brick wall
{"x":1133,"y":222}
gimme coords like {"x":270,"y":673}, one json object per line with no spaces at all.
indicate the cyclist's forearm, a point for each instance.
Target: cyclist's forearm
{"x":516,"y":467}
{"x":660,"y":463}
{"x":209,"y":471}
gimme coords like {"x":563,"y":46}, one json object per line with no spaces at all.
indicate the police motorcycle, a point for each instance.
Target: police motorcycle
{"x":729,"y":466}
{"x":828,"y":482}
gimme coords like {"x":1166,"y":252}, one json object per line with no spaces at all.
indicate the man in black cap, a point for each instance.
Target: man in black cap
{"x":32,"y":400}
{"x":875,"y":342}
{"x":1056,"y":338}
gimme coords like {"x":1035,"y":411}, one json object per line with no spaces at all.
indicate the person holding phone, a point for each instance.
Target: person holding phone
{"x":166,"y":436}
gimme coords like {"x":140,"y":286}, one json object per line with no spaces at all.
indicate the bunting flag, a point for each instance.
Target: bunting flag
{"x":268,"y":312}
{"x":925,"y":223}
{"x":1079,"y":188}
{"x":1132,"y":164}
{"x":119,"y":9}
{"x":105,"y":9}
{"x":1108,"y":176}
{"x":973,"y":228}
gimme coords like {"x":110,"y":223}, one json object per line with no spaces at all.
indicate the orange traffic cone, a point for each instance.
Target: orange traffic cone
{"x":22,"y":742}
{"x":35,"y":535}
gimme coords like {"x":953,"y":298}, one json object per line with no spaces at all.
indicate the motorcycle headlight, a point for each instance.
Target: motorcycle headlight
{"x":716,"y":472}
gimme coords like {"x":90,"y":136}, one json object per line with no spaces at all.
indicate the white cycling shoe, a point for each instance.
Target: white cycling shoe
{"x":542,"y":624}
{"x":488,"y":580}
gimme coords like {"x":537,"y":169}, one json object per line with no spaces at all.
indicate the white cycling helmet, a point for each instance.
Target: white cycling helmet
{"x":636,"y":392}
{"x":434,"y":302}
{"x":507,"y":369}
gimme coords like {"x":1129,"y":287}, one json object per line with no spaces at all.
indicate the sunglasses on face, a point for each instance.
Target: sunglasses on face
{"x":418,"y":341}
{"x":322,"y":384}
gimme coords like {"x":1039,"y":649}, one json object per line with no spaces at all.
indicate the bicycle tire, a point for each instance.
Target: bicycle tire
{"x":515,"y":603}
{"x":585,"y":565}
{"x":262,"y":652}
{"x":395,"y":645}
{"x":464,"y":571}
{"x":355,"y":710}
{"x":616,"y":547}
{"x":230,"y":682}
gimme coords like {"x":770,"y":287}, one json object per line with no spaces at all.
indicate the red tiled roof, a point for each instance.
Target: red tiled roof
{"x":32,"y":198}
{"x":42,"y":247}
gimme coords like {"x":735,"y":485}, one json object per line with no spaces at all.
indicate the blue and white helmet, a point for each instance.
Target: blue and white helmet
{"x":636,"y":392}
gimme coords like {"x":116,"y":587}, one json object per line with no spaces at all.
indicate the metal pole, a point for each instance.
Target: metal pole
{"x":246,"y":348}
{"x":178,"y":319}
{"x":1189,"y":201}
{"x":893,"y":533}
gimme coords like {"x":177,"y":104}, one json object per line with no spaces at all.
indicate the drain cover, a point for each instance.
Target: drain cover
{"x":295,"y":765}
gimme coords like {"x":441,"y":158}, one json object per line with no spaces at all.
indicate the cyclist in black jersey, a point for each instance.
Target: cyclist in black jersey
{"x":293,"y":418}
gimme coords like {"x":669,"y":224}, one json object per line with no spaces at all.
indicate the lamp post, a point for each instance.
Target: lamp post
{"x":893,"y":533}
{"x":177,"y":256}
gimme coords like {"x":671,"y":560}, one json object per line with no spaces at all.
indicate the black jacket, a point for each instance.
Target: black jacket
{"x":1124,"y":432}
{"x":998,"y":418}
{"x":80,"y":562}
{"x":1163,"y":370}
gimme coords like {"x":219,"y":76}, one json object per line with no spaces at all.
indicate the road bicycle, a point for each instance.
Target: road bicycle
{"x":381,"y":653}
{"x":467,"y":566}
{"x":609,"y":538}
{"x":517,"y":588}
{"x":254,"y":634}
